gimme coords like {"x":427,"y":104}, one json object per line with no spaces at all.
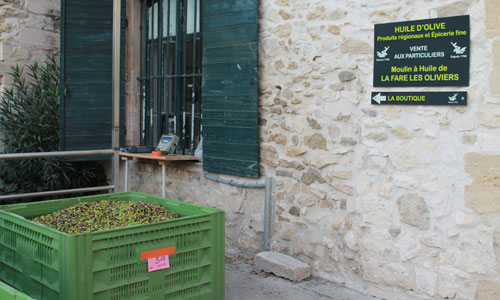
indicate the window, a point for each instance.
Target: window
{"x":199,"y":78}
{"x":171,"y":72}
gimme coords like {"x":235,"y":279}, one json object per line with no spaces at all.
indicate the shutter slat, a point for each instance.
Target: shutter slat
{"x":238,"y":19}
{"x":230,"y":37}
{"x":229,"y":86}
{"x":239,"y":53}
{"x":238,"y":69}
{"x":217,"y":7}
{"x":230,"y":103}
{"x":233,"y":151}
{"x":231,"y":166}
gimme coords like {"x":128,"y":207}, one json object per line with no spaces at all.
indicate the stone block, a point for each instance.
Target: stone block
{"x":465,"y":124}
{"x":312,"y":176}
{"x":283,"y":31}
{"x":283,"y":2}
{"x":295,"y":151}
{"x":496,"y":243}
{"x":401,"y":132}
{"x":38,"y":38}
{"x":483,"y":194}
{"x":405,"y":156}
{"x":322,"y":160}
{"x":489,"y":117}
{"x":282,"y":265}
{"x":269,"y":155}
{"x":343,"y":188}
{"x":495,"y":74}
{"x":353,"y":46}
{"x":378,"y":136}
{"x":469,"y":139}
{"x":352,"y":241}
{"x":487,"y":291}
{"x":453,"y":9}
{"x":414,"y":211}
{"x":316,"y":141}
{"x":46,"y":7}
{"x":278,"y":138}
{"x":334,"y":29}
{"x":492,"y":20}
{"x":390,"y":273}
{"x":489,"y":142}
{"x":285,"y":15}
{"x":346,"y":76}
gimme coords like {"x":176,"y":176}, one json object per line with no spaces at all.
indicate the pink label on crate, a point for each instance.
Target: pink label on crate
{"x":158,"y":263}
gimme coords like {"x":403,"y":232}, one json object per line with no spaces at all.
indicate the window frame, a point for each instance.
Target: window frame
{"x":166,"y":105}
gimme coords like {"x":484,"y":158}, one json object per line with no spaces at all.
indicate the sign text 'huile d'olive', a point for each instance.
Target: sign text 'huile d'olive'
{"x":432,"y":52}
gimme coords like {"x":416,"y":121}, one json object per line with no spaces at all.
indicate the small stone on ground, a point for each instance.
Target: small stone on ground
{"x":282,"y":265}
{"x":243,"y":283}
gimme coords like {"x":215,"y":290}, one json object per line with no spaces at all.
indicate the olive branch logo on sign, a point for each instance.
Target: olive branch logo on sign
{"x":383,"y":53}
{"x":457,"y":49}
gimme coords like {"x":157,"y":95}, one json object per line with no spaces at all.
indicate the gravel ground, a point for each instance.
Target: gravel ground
{"x":242,"y":282}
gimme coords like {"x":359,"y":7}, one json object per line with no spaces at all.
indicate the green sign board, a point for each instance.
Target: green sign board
{"x":419,"y":98}
{"x":431,"y":52}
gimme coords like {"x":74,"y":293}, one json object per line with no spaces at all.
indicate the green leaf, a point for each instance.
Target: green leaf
{"x":29,"y":122}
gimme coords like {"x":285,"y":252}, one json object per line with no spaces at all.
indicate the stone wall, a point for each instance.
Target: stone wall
{"x":29,"y":31}
{"x":396,"y":201}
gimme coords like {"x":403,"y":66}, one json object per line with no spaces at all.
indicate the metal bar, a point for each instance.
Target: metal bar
{"x":151,"y":73}
{"x":234,"y":183}
{"x":192,"y":120}
{"x":167,"y":72}
{"x":200,"y":93}
{"x":57,"y":154}
{"x":268,"y":201}
{"x":163,"y":180}
{"x":189,"y":114}
{"x":271,"y":212}
{"x":268,"y":213}
{"x":159,"y":82}
{"x":142,"y":105}
{"x":193,"y":89}
{"x":169,"y":76}
{"x":184,"y":71}
{"x":178,"y":61}
{"x":62,"y":81}
{"x":116,"y":92}
{"x":183,"y":123}
{"x":126,"y":175}
{"x":60,"y":192}
{"x":146,"y":71}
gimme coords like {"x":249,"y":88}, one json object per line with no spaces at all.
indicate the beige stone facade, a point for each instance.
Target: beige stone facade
{"x":396,"y":201}
{"x":401,"y":202}
{"x":29,"y":31}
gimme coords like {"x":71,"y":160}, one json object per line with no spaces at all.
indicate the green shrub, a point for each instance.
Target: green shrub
{"x":29,"y":122}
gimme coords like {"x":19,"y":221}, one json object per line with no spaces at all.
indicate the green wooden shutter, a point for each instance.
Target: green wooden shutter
{"x":230,"y":87}
{"x":86,"y":104}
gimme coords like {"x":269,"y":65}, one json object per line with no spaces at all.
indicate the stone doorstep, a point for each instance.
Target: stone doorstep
{"x":282,"y":265}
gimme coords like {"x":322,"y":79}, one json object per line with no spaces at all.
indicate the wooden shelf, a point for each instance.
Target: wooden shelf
{"x":165,"y":159}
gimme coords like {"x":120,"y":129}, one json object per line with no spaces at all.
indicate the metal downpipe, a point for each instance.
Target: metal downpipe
{"x":268,"y":203}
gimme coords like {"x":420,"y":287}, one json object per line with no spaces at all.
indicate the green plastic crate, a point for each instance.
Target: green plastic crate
{"x":9,"y":293}
{"x":47,"y":264}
